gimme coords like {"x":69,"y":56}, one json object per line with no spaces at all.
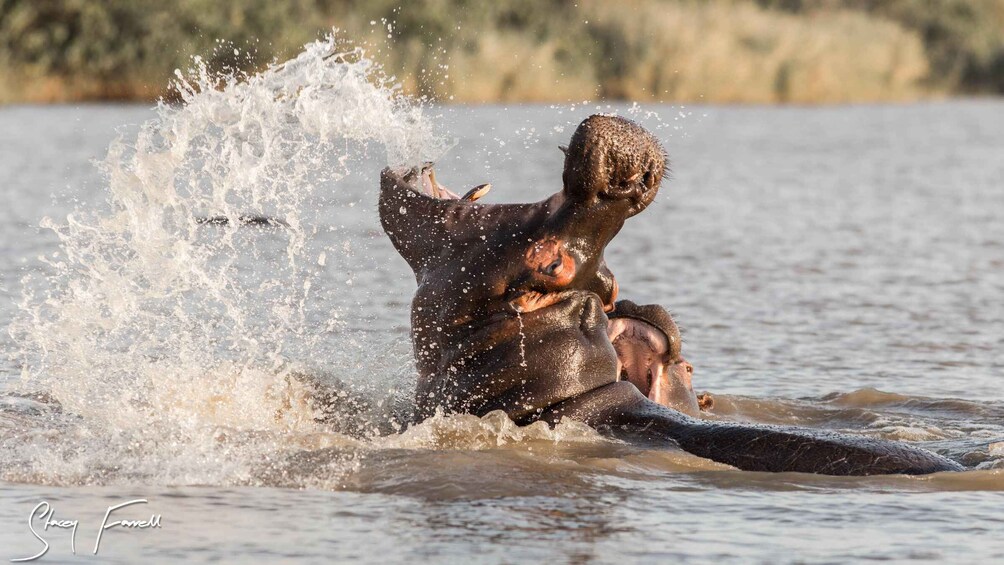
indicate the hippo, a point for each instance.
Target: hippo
{"x":649,"y":356}
{"x":514,"y":304}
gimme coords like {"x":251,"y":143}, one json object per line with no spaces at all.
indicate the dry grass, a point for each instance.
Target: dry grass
{"x":733,"y":51}
{"x":737,"y":52}
{"x":652,"y":50}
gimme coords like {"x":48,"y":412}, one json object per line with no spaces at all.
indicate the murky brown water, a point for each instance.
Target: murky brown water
{"x":837,"y":268}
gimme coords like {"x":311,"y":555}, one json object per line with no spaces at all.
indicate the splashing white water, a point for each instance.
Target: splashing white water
{"x":169,"y":337}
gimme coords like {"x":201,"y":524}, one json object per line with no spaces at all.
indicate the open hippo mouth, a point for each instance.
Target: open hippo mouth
{"x":539,"y":249}
{"x":613,"y":169}
{"x":646,"y":339}
{"x":648,"y":345}
{"x":509,"y":309}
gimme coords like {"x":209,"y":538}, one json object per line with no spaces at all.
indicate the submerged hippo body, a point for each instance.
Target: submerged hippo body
{"x":511,"y":313}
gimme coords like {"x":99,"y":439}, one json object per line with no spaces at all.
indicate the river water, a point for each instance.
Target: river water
{"x":838,"y":268}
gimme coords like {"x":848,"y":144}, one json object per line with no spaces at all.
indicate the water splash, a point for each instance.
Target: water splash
{"x":176,"y":343}
{"x":522,"y":338}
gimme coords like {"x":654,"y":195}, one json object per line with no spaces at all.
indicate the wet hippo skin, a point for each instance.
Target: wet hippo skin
{"x":510,"y":313}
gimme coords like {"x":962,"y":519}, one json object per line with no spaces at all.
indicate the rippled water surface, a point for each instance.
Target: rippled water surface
{"x":838,"y":268}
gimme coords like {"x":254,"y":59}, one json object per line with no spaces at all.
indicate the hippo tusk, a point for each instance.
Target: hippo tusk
{"x":477,"y":192}
{"x":434,"y":185}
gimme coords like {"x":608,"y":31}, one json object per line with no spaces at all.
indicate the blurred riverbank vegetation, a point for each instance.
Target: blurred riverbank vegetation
{"x":744,"y":51}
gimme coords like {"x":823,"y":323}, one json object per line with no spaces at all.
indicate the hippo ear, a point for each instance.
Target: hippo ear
{"x":427,"y":230}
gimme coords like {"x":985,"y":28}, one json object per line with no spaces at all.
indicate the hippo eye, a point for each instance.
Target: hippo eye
{"x":554,"y":267}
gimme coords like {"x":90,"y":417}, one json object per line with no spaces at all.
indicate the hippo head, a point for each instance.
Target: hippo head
{"x":509,"y":310}
{"x":648,"y":345}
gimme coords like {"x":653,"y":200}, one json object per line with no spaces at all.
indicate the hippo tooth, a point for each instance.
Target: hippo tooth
{"x":477,"y":192}
{"x":435,"y":185}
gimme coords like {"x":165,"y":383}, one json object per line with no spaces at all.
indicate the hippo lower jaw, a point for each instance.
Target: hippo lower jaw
{"x":620,"y":410}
